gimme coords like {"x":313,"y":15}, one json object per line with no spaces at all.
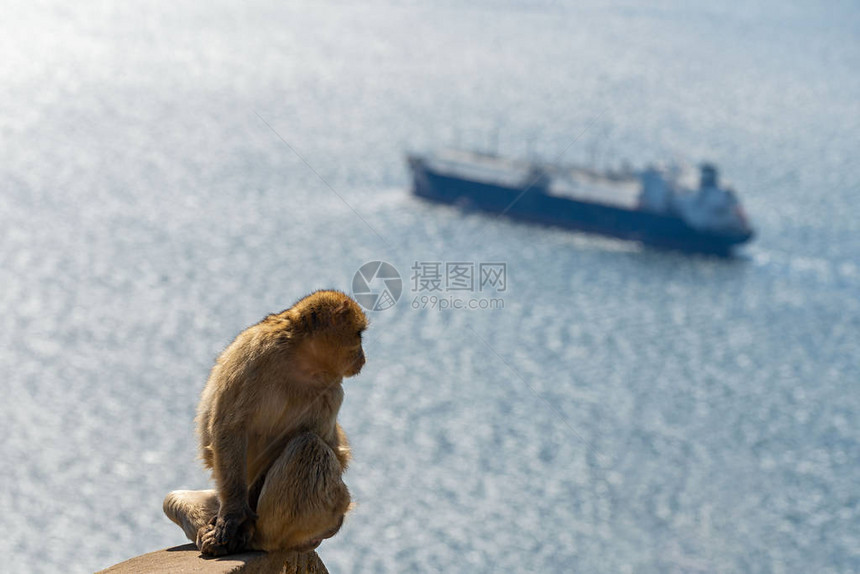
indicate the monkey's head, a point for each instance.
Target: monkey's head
{"x":332,"y":323}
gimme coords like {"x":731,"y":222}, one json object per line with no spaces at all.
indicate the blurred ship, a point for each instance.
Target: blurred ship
{"x":671,"y":207}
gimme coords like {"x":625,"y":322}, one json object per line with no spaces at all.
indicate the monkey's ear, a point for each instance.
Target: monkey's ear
{"x":341,"y":312}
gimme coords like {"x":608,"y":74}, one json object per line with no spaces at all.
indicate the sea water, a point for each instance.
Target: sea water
{"x":171,"y":173}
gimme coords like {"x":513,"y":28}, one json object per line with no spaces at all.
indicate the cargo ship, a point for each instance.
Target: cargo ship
{"x":664,"y":206}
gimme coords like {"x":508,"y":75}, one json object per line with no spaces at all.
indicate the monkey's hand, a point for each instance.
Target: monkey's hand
{"x":227,"y":533}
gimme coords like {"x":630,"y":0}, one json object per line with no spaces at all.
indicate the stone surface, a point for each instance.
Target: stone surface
{"x":187,"y":559}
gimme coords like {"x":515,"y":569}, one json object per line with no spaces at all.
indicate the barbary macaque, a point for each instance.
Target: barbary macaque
{"x":267,"y":425}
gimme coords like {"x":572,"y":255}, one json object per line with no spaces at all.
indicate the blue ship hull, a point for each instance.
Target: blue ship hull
{"x":533,"y":205}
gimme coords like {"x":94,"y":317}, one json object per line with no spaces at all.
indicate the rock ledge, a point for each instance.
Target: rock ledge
{"x":187,"y":559}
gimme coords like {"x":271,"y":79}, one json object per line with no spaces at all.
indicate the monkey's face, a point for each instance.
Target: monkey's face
{"x":340,"y":354}
{"x":356,"y":361}
{"x":350,"y":322}
{"x":350,"y":352}
{"x":334,"y":324}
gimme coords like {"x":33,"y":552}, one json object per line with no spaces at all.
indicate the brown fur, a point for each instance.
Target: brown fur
{"x":267,"y":424}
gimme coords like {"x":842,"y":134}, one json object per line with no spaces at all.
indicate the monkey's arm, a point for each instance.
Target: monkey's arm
{"x":234,"y":525}
{"x":230,"y":447}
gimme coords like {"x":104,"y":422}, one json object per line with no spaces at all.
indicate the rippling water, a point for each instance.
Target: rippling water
{"x":171,"y":174}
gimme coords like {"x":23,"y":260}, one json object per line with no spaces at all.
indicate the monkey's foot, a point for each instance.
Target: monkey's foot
{"x":309,"y":545}
{"x":227,"y":534}
{"x":206,"y":542}
{"x":191,"y":509}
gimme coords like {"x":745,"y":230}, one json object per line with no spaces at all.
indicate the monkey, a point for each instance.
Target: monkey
{"x":268,"y":432}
